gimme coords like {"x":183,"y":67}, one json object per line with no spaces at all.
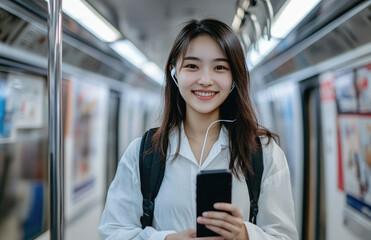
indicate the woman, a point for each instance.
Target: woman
{"x":206,"y":86}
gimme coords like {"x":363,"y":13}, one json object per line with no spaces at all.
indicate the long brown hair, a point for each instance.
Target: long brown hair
{"x":243,"y":132}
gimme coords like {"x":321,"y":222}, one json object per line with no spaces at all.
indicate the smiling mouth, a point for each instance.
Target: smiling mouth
{"x":204,"y":94}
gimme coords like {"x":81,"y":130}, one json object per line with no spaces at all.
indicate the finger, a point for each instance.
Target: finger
{"x":219,"y":223}
{"x":210,"y":238}
{"x":223,"y":216}
{"x":222,"y":232}
{"x":229,"y":208}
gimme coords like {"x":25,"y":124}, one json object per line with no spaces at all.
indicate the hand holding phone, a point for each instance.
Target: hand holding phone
{"x":212,"y":186}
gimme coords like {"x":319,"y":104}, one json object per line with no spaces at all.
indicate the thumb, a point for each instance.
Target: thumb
{"x":192,"y":233}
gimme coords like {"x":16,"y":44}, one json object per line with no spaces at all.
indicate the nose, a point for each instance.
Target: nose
{"x":205,"y":78}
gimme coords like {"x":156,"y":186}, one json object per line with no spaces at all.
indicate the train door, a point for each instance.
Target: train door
{"x":314,"y":202}
{"x":112,"y":137}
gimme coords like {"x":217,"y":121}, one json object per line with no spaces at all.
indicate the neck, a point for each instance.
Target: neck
{"x":195,"y":126}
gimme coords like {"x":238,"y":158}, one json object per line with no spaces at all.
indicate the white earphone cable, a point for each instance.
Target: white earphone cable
{"x":207,"y":131}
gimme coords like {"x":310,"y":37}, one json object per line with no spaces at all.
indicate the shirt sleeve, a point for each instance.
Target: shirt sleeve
{"x":276,"y":216}
{"x":123,"y":209}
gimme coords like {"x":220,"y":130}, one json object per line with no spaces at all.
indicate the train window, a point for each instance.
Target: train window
{"x":23,"y":156}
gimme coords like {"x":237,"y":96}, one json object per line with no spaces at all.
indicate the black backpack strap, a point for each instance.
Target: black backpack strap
{"x":254,"y":179}
{"x":152,"y":172}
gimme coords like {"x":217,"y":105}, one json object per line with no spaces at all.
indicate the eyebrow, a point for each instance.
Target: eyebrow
{"x":198,"y":59}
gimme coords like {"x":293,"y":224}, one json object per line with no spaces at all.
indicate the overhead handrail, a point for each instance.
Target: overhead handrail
{"x":256,"y":26}
{"x":269,"y":11}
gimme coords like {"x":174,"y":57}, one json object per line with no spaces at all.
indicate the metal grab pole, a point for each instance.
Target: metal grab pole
{"x":55,"y":116}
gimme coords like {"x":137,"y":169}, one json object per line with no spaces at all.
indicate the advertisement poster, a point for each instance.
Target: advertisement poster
{"x":21,"y":102}
{"x":85,"y":141}
{"x":363,"y":86}
{"x":5,"y":111}
{"x":356,"y":154}
{"x":345,"y":92}
{"x":26,"y":97}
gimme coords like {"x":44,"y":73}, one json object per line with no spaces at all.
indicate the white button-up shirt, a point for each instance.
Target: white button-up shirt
{"x":175,"y":204}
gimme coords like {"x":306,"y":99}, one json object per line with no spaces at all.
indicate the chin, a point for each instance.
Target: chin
{"x":205,"y":111}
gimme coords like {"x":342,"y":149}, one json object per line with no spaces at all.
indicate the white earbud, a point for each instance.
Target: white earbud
{"x":173,"y":75}
{"x":233,"y":85}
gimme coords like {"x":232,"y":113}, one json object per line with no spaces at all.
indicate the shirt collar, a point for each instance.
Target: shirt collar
{"x":185,"y":149}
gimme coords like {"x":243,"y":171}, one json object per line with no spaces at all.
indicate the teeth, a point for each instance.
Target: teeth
{"x":205,"y":94}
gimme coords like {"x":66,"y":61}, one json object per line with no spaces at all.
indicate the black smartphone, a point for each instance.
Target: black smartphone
{"x":212,"y":186}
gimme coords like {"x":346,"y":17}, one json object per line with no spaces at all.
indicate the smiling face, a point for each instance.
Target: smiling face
{"x":204,"y":76}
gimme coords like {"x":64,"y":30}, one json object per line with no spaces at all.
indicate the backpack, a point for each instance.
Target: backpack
{"x":152,"y":172}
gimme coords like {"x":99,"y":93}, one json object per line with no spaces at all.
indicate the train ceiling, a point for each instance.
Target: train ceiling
{"x":152,"y":24}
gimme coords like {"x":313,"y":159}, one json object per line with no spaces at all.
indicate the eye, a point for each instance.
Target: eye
{"x":191,"y":66}
{"x":220,"y":67}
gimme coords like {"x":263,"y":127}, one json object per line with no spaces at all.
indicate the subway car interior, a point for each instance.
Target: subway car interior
{"x":309,"y":64}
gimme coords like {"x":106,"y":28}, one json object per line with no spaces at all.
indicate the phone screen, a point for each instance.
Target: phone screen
{"x":212,"y":186}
